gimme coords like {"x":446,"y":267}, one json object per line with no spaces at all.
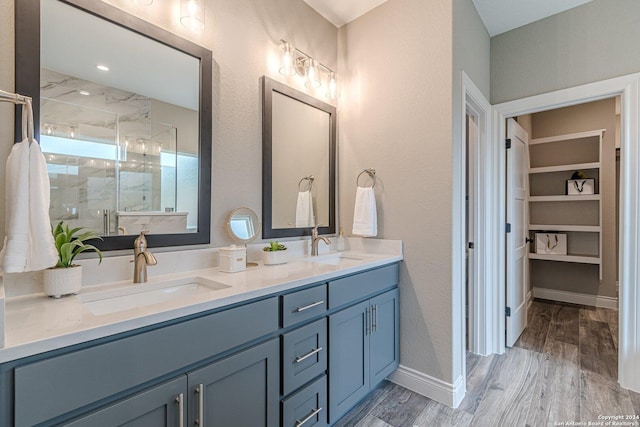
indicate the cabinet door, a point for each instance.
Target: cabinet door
{"x":157,"y":407}
{"x":348,"y":358}
{"x":384,"y":341}
{"x":239,"y":391}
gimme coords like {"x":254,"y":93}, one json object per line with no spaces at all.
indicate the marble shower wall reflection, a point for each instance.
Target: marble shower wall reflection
{"x":112,"y":153}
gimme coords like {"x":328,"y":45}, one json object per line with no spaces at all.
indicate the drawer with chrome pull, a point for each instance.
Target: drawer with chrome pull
{"x":302,"y":305}
{"x":304,"y":355}
{"x":308,"y":407}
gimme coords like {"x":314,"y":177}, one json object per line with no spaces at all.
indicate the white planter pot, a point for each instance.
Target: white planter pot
{"x":274,"y":257}
{"x":62,"y":281}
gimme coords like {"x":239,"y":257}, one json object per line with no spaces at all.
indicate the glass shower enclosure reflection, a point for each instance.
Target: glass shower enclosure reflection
{"x":116,"y":173}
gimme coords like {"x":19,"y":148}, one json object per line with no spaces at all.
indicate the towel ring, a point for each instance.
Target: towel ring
{"x":309,"y":180}
{"x":371,"y":172}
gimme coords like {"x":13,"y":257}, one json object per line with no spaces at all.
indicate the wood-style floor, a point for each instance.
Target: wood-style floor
{"x":562,"y":369}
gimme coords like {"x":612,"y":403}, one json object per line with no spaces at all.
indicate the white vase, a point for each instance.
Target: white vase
{"x":62,"y":281}
{"x":274,"y":257}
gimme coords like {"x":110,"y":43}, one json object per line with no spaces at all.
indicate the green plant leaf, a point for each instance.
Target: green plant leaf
{"x":69,"y":243}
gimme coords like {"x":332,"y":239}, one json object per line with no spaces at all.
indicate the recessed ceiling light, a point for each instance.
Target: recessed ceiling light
{"x":84,"y":92}
{"x":102,"y":67}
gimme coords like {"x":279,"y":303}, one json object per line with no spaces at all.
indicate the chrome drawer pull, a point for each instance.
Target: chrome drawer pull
{"x":200,"y":391}
{"x":308,"y":417}
{"x":374,"y":317}
{"x":180,"y":402}
{"x":307,"y":307}
{"x":308,"y":355}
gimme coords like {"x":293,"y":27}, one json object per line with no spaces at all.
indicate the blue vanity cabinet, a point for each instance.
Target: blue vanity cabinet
{"x":241,"y":390}
{"x":296,"y":358}
{"x":363,"y":337}
{"x":161,"y":406}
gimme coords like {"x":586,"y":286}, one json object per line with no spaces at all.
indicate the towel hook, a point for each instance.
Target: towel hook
{"x":309,"y":180}
{"x":371,"y":172}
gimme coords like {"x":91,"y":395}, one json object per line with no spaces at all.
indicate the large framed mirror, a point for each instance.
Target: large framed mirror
{"x":122,"y":111}
{"x":298,"y":162}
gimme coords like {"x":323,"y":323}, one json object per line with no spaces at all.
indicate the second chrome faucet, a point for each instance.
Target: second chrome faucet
{"x":315,"y":239}
{"x":141,"y":258}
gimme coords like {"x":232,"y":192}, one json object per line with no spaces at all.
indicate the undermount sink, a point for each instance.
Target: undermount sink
{"x":135,"y":296}
{"x":335,"y":258}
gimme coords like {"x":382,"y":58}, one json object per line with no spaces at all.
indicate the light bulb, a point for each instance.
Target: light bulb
{"x":287,"y":68}
{"x":313,"y":76}
{"x":333,"y":86}
{"x":192,"y":14}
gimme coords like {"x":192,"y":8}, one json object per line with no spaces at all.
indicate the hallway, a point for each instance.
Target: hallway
{"x":562,"y":369}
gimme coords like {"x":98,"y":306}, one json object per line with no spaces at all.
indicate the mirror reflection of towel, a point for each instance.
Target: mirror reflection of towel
{"x":365,"y":218}
{"x":304,"y":210}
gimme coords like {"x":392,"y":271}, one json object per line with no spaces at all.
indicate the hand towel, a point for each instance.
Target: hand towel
{"x":365,"y":218}
{"x":43,"y":252}
{"x":304,"y":210}
{"x":15,"y":251}
{"x":28,"y":244}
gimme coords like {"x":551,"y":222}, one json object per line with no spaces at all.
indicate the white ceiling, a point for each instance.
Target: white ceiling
{"x":499,"y":16}
{"x":340,"y":12}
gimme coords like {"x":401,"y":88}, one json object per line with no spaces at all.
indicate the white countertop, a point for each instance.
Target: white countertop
{"x":35,"y":323}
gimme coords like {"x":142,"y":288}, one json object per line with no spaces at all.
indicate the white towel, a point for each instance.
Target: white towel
{"x":28,"y":244}
{"x":365,"y":218}
{"x":15,"y":251}
{"x":43,"y":252}
{"x":304,"y":210}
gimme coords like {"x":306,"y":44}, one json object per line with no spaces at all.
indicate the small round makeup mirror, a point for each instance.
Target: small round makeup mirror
{"x":243,"y":225}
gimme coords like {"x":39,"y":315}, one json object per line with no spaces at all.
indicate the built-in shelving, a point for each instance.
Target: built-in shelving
{"x":563,"y":168}
{"x":564,"y":198}
{"x":556,"y":180}
{"x":581,"y":259}
{"x":579,"y":228}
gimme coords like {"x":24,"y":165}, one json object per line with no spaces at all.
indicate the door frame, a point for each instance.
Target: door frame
{"x":629,"y":295}
{"x":480,"y":298}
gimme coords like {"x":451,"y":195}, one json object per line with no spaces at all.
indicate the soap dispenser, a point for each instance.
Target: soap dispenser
{"x":341,"y":243}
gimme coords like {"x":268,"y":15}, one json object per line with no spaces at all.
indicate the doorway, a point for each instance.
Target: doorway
{"x":570,"y":235}
{"x":629,"y":295}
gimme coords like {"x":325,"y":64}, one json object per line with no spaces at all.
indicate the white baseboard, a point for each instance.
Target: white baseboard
{"x":576,"y":298}
{"x":431,"y":387}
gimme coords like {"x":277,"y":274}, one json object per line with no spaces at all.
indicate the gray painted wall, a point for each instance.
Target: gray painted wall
{"x":396,"y":65}
{"x":593,"y":42}
{"x":244,"y":36}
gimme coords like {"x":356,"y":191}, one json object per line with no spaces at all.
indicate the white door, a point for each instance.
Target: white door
{"x":517,"y":217}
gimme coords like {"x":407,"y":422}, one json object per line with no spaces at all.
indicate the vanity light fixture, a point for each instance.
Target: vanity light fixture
{"x":294,"y":61}
{"x":102,"y":67}
{"x":192,"y":14}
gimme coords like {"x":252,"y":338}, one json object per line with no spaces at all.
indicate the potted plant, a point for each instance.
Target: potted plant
{"x":274,"y":253}
{"x":66,"y":277}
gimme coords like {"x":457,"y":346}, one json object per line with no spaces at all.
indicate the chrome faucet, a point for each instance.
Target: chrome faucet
{"x":315,"y":239}
{"x":141,"y":258}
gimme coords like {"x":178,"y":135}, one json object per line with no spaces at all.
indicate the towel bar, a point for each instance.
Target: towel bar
{"x":309,"y":180}
{"x":371,"y":172}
